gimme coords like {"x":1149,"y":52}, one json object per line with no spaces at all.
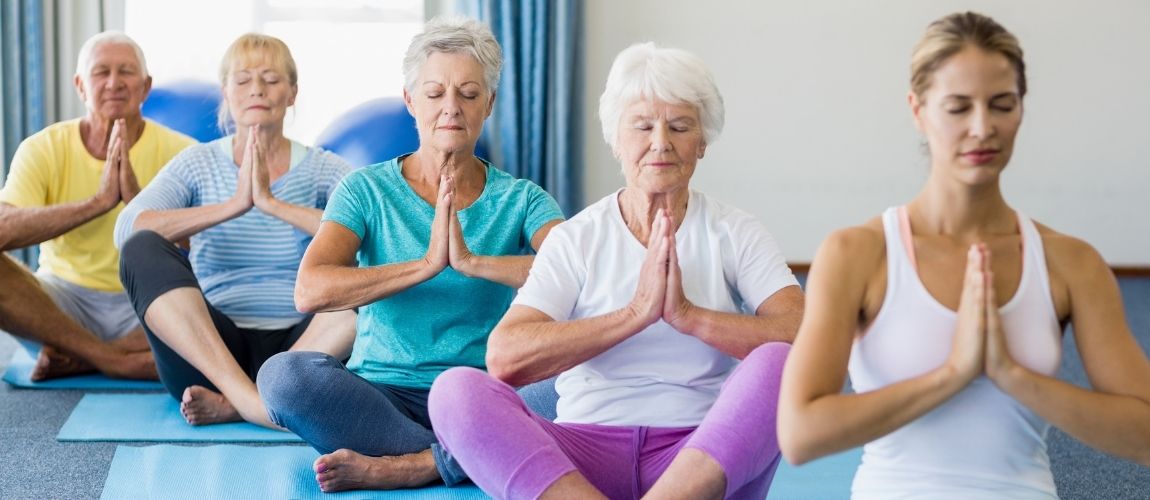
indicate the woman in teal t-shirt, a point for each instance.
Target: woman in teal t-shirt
{"x":430,"y":247}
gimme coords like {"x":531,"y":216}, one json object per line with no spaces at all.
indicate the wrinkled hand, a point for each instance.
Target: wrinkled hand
{"x":969,"y":345}
{"x":108,"y":195}
{"x":261,"y":179}
{"x":243,"y":195}
{"x":676,"y":307}
{"x":651,"y":291}
{"x":459,"y":256}
{"x":438,"y":255}
{"x":129,"y":186}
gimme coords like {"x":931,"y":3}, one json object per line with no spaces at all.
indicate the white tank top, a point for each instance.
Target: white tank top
{"x":981,"y":443}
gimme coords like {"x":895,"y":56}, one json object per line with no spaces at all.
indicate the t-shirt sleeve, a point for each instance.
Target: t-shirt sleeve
{"x":171,"y":189}
{"x":761,"y":268}
{"x":556,"y":278}
{"x":541,"y":209}
{"x":344,"y":207}
{"x":27,"y":182}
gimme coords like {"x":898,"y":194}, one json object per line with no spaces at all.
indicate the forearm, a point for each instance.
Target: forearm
{"x":180,"y":223}
{"x":510,"y":270}
{"x":1115,"y":424}
{"x":834,"y":422}
{"x":333,"y":287}
{"x":22,"y":227}
{"x":738,"y":334}
{"x":304,"y":218}
{"x":532,"y":351}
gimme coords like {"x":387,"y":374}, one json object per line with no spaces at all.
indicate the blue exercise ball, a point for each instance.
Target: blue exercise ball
{"x":187,"y":106}
{"x":375,"y":131}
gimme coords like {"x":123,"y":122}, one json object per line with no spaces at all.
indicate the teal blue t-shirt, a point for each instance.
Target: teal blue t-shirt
{"x":409,"y":338}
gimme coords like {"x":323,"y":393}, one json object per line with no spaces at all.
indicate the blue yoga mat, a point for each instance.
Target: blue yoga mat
{"x":153,"y":417}
{"x":827,"y":478}
{"x":19,"y":374}
{"x":230,"y":471}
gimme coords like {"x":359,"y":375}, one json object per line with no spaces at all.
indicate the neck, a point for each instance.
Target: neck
{"x":95,"y":132}
{"x":639,"y":209}
{"x":965,"y":212}
{"x":429,"y":165}
{"x":276,"y":146}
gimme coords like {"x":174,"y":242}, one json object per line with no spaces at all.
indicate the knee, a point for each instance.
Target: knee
{"x":771,"y":354}
{"x":287,"y":377}
{"x":140,"y":245}
{"x":460,"y":392}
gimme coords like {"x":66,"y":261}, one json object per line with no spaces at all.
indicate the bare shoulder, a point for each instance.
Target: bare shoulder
{"x":1077,"y":271}
{"x":860,"y":244}
{"x":1067,"y":255}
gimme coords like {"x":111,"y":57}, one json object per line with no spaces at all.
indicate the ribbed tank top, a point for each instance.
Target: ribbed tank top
{"x":981,"y":443}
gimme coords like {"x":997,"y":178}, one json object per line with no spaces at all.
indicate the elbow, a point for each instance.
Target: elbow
{"x":794,"y":442}
{"x":501,"y":365}
{"x":308,"y":300}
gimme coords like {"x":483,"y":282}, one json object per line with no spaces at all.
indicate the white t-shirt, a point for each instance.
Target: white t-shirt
{"x":589,"y":266}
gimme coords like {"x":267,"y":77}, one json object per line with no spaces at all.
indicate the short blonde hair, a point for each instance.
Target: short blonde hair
{"x":949,"y":35}
{"x":255,"y":47}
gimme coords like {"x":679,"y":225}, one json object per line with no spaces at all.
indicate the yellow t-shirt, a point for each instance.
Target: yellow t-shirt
{"x":52,"y":166}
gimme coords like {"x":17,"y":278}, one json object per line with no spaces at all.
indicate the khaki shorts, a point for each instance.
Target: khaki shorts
{"x":109,"y":315}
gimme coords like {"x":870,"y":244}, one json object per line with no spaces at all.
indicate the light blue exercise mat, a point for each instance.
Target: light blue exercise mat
{"x":828,"y":478}
{"x":154,"y":417}
{"x":231,"y":471}
{"x":19,"y":374}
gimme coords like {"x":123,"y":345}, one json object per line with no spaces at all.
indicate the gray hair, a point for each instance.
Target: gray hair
{"x":645,"y":71}
{"x":84,"y":58}
{"x":454,"y":36}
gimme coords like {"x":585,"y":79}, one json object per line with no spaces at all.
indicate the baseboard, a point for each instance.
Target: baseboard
{"x":1121,"y":271}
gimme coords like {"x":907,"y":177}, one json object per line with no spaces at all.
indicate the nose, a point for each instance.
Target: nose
{"x":982,"y":123}
{"x":257,"y":88}
{"x":660,"y":138}
{"x":451,"y":104}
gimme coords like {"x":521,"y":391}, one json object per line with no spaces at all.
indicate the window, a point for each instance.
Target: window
{"x":347,"y":51}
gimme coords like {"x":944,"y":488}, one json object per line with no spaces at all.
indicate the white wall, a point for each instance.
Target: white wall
{"x":819,"y":136}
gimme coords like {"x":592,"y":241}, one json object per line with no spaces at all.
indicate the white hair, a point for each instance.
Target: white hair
{"x":84,"y":58}
{"x":455,"y":35}
{"x":645,"y":71}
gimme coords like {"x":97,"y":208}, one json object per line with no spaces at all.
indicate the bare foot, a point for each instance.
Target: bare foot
{"x":202,"y":406}
{"x":133,"y":365}
{"x":55,"y":364}
{"x":347,"y":470}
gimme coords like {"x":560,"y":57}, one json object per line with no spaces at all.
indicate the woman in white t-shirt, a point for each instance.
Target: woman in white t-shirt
{"x":643,"y":304}
{"x":951,"y":309}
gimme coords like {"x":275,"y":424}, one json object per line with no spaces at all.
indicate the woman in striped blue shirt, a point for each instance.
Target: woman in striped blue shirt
{"x":250,"y":204}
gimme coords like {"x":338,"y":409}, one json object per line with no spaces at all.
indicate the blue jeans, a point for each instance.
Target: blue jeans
{"x":315,"y":396}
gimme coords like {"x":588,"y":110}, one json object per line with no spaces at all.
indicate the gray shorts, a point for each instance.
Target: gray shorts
{"x":109,"y":315}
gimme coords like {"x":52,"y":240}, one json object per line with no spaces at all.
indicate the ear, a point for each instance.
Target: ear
{"x":294,"y":93}
{"x":490,"y":105}
{"x":147,"y":88}
{"x":702,"y":150}
{"x":407,"y":101}
{"x":80,"y":89}
{"x":915,"y":104}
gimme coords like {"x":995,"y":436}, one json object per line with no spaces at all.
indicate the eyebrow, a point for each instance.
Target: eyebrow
{"x":961,"y":97}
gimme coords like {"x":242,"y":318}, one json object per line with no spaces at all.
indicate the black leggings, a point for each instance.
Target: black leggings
{"x":151,"y":266}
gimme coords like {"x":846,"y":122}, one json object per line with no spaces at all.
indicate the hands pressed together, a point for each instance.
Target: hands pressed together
{"x":447,"y":247}
{"x":979,"y":341}
{"x":118,"y":182}
{"x":253,"y":181}
{"x":659,"y":294}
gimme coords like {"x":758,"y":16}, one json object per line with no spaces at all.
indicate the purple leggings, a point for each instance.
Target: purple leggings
{"x":512,"y":453}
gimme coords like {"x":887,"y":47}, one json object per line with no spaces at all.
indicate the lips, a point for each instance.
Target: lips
{"x":981,"y":156}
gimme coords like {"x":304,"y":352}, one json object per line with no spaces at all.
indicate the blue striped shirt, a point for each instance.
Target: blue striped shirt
{"x":246,"y":266}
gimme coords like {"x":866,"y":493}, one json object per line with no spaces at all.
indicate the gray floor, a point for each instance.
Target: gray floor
{"x":36,"y":466}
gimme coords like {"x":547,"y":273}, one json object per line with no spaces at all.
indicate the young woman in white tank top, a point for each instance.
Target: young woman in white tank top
{"x":948,"y":312}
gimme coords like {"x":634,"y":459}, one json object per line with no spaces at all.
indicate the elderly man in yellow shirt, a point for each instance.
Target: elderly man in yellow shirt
{"x":66,"y":185}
